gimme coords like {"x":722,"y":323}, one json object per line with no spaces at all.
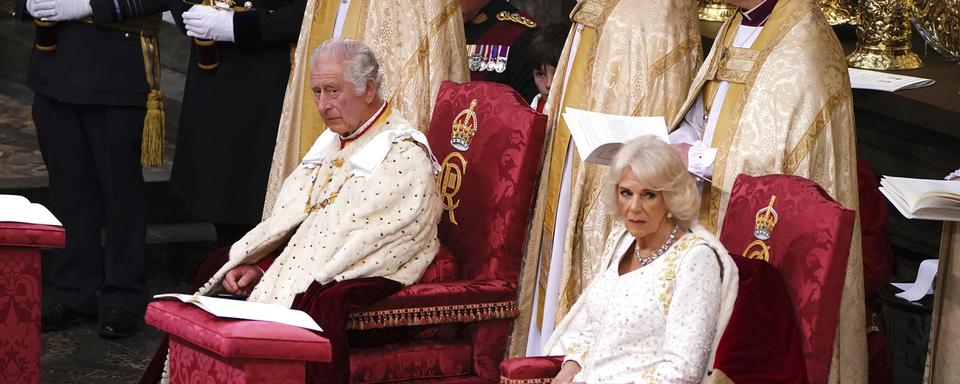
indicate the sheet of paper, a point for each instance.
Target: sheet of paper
{"x":593,"y":130}
{"x":247,"y":310}
{"x":882,"y":81}
{"x":17,"y":209}
{"x":924,"y":284}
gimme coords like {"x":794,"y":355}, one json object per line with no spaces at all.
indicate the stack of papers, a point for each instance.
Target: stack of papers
{"x":882,"y":81}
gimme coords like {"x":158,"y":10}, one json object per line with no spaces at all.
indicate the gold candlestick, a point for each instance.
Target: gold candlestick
{"x":715,"y":10}
{"x":883,"y":36}
{"x":839,"y":11}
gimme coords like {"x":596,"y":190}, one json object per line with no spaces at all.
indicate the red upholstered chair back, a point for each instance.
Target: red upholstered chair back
{"x":489,"y":143}
{"x":809,"y":242}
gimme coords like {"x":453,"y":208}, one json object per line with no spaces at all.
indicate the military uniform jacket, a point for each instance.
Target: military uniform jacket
{"x":94,"y":62}
{"x":498,"y":46}
{"x":228,"y":123}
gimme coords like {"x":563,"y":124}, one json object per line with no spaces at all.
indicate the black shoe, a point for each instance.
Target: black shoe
{"x":58,"y":317}
{"x":119,"y":324}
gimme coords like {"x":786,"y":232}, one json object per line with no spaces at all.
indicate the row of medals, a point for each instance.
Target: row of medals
{"x":489,"y":58}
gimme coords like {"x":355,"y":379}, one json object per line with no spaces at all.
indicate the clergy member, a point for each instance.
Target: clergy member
{"x":773,"y":96}
{"x":621,"y":57}
{"x":419,"y":45}
{"x":359,"y":212}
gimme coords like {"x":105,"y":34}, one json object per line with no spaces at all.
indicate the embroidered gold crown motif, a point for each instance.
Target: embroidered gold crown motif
{"x":766,"y":219}
{"x":464,"y":128}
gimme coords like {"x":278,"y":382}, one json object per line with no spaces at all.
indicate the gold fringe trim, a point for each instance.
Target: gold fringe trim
{"x":504,"y":380}
{"x":445,"y":314}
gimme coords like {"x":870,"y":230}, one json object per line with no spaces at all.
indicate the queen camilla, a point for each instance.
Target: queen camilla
{"x":665,"y":288}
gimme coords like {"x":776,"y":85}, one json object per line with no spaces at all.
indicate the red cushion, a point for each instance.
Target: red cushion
{"x":809,"y":245}
{"x":530,"y":368}
{"x":31,"y":235}
{"x":762,"y":341}
{"x":447,"y":294}
{"x":419,"y":359}
{"x":237,"y":338}
{"x":443,"y":268}
{"x":496,"y":184}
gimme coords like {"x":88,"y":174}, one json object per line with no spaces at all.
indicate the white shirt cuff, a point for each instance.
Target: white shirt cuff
{"x":700,"y":159}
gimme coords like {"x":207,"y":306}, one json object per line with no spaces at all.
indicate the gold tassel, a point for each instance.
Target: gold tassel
{"x":154,"y":127}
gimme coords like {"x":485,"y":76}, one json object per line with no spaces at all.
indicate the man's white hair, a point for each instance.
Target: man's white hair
{"x":360,"y":64}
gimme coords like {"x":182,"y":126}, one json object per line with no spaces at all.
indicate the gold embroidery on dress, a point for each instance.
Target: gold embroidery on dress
{"x":736,"y":64}
{"x":766,"y":219}
{"x":669,"y":273}
{"x":649,"y":376}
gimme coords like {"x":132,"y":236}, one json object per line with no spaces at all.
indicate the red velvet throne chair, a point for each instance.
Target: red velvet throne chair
{"x":20,"y":246}
{"x":489,"y":144}
{"x":795,"y":240}
{"x":453,"y":325}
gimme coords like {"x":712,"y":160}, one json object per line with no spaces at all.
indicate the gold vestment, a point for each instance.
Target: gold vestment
{"x":789,"y":110}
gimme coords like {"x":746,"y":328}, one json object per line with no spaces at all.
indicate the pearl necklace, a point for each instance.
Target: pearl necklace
{"x":644,"y":261}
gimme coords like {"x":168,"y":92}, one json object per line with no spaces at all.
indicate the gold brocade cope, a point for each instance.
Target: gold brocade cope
{"x":883,"y":37}
{"x":791,"y":114}
{"x":418,"y":47}
{"x":621,"y":57}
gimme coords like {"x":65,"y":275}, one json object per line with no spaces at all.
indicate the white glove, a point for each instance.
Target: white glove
{"x":204,"y":22}
{"x":59,"y":10}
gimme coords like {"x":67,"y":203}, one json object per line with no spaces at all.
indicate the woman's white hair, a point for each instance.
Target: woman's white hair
{"x":360,"y":64}
{"x":659,"y":167}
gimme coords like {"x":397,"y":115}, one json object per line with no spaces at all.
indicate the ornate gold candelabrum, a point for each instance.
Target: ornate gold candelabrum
{"x":839,"y":11}
{"x":715,"y":10}
{"x":883,"y":36}
{"x":938,"y":22}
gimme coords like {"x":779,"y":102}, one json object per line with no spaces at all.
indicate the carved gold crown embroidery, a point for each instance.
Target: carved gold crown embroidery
{"x":766,"y":220}
{"x":464,"y":128}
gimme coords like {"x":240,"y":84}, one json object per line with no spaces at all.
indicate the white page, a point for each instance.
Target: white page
{"x":882,"y":81}
{"x":17,"y":209}
{"x":247,"y":310}
{"x":592,"y":130}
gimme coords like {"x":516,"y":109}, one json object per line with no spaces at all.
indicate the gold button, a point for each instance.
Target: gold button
{"x":126,"y":34}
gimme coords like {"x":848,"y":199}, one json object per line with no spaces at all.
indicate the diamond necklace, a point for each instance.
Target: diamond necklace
{"x":644,"y":261}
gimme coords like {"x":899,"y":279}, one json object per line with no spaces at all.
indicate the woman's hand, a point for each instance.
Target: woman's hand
{"x":684,"y":150}
{"x":568,"y":370}
{"x":242,"y":279}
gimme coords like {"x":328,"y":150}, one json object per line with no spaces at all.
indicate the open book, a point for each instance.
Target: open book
{"x":882,"y":81}
{"x":247,"y":310}
{"x":598,"y":136}
{"x":18,"y":209}
{"x":923,"y":198}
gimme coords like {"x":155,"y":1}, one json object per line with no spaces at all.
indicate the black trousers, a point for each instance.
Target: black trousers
{"x":92,"y":154}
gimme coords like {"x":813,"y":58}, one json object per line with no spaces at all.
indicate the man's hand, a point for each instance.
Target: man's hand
{"x":59,"y":10}
{"x":241,"y":280}
{"x":684,"y":150}
{"x":209,"y":23}
{"x":568,"y":370}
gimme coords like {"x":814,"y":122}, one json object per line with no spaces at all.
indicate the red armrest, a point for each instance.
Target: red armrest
{"x":530,"y":370}
{"x":440,"y":303}
{"x":237,"y":338}
{"x":31,"y":235}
